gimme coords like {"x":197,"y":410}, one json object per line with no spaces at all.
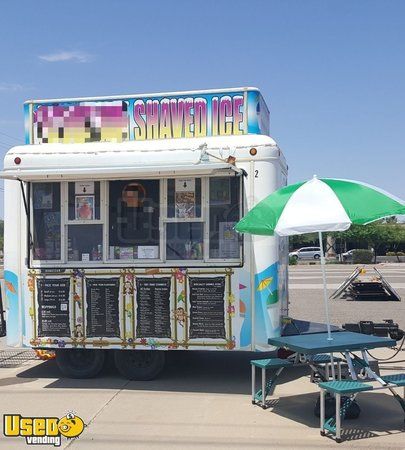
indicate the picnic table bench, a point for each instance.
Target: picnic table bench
{"x":316,"y":362}
{"x":315,"y":350}
{"x":352,"y":388}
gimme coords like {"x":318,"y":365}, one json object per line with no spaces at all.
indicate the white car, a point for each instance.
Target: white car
{"x":347,"y":256}
{"x":306,"y":253}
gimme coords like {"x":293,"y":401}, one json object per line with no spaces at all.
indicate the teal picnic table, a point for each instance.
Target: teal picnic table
{"x":342,"y":341}
{"x":307,"y":348}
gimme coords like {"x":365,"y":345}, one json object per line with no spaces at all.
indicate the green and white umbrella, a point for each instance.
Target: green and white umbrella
{"x":317,"y":205}
{"x":324,"y":204}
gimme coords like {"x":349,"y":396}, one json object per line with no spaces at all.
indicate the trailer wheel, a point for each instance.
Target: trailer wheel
{"x":142,"y":365}
{"x":80,"y":363}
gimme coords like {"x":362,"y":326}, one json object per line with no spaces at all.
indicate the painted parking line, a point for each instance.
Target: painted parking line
{"x":331,"y":285}
{"x":343,"y":276}
{"x":315,"y":269}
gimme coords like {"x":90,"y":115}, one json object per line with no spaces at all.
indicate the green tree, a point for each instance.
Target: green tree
{"x":377,"y":235}
{"x":396,"y":236}
{"x":303,"y":240}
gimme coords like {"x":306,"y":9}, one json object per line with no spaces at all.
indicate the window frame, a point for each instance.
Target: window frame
{"x":202,"y":219}
{"x":120,"y":262}
{"x":67,"y":223}
{"x":65,"y":197}
{"x":30,"y":227}
{"x":241,"y":213}
{"x":162,"y":261}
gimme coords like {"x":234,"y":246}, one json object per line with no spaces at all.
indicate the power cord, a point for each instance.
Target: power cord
{"x":393,"y":356}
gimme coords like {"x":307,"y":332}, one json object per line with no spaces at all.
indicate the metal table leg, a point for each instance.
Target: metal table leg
{"x":322,"y":412}
{"x":327,"y":373}
{"x":338,"y":418}
{"x":350,"y":366}
{"x":332,"y":366}
{"x":264,"y":388}
{"x":253,"y":383}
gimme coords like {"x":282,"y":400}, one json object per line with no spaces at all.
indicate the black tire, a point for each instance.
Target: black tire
{"x":142,"y":365}
{"x":80,"y":363}
{"x":317,"y":256}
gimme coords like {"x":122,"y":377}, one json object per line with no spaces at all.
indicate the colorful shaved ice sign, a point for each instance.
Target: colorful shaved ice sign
{"x":87,"y":122}
{"x":182,"y":115}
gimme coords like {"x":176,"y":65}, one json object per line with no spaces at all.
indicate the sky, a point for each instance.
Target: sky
{"x":332,"y":72}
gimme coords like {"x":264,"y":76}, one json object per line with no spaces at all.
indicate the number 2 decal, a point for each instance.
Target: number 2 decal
{"x":256,"y":173}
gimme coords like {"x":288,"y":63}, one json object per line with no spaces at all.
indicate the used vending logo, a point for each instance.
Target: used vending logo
{"x":43,"y":430}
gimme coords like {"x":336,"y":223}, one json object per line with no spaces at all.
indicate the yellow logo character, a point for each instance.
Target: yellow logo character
{"x":70,"y":425}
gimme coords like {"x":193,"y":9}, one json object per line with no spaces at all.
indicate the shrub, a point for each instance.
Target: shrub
{"x":292,"y":261}
{"x":362,"y":256}
{"x":395,"y":254}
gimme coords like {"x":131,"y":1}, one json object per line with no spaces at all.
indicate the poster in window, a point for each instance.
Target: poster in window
{"x":52,"y":225}
{"x":185,"y":198}
{"x":84,"y":207}
{"x":220,"y":191}
{"x":126,"y":253}
{"x":51,"y":248}
{"x":84,"y":187}
{"x":148,"y":251}
{"x":185,"y":184}
{"x":43,"y":198}
{"x":228,"y":240}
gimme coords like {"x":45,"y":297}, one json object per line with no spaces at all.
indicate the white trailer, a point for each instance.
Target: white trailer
{"x":119,"y":216}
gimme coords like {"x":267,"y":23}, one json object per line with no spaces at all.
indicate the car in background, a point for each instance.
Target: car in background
{"x":306,"y":253}
{"x":347,"y":256}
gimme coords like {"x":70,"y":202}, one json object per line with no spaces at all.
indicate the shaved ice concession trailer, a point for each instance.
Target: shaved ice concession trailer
{"x":119,"y":216}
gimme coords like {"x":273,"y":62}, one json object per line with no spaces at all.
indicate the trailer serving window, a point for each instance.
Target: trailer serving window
{"x":133,"y":232}
{"x":144,"y":222}
{"x":184,"y":224}
{"x":224,"y":213}
{"x":46,"y":202}
{"x":84,"y":221}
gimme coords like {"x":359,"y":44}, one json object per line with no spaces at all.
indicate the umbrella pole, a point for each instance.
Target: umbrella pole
{"x":325,"y":290}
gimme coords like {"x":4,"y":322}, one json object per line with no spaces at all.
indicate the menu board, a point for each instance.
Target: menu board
{"x":53,"y":307}
{"x":207,"y":310}
{"x":153,"y":307}
{"x":102,"y":296}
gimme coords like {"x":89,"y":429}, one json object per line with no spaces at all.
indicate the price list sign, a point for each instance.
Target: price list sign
{"x":153,"y":307}
{"x":102,"y":296}
{"x":53,"y":307}
{"x":207,"y":307}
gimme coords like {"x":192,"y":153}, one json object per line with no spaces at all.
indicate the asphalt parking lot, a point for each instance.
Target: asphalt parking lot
{"x":202,"y":400}
{"x":306,"y":301}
